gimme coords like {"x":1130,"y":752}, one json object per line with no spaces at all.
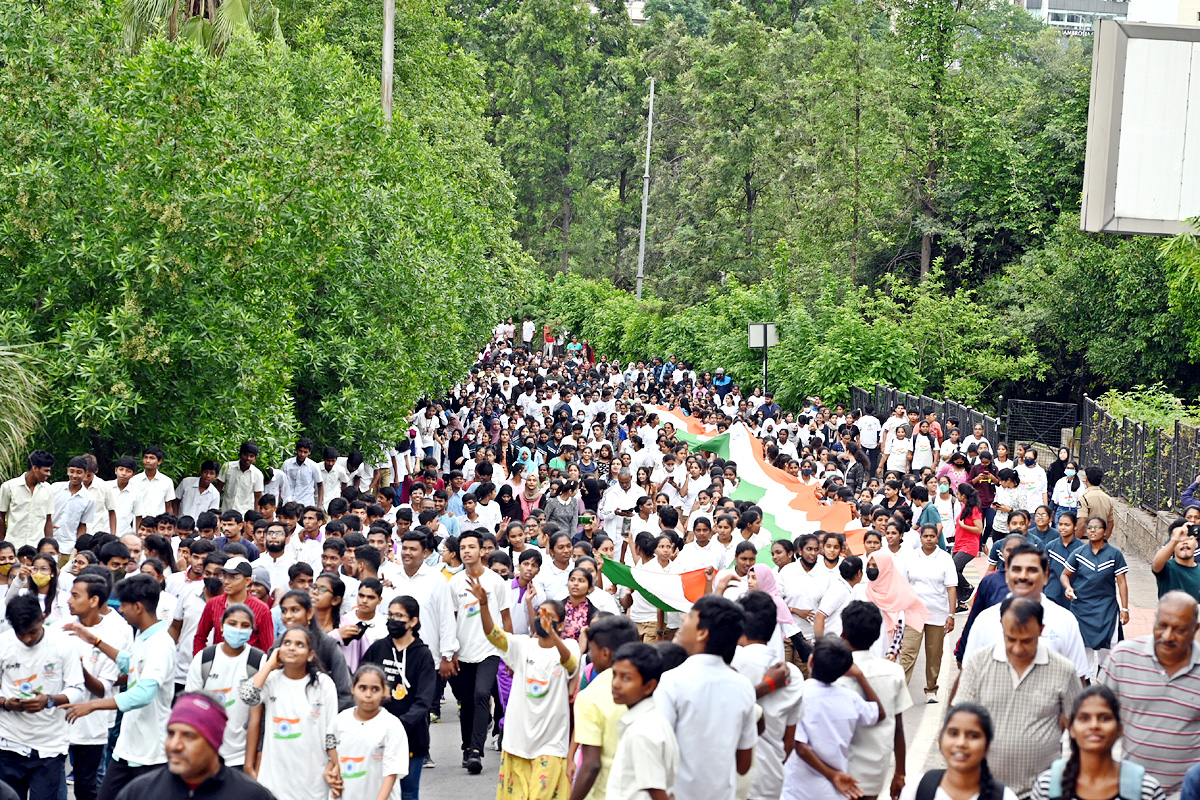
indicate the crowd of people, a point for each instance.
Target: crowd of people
{"x":291,"y":631}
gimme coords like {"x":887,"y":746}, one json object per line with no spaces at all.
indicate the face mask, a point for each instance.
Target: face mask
{"x":4,"y":568}
{"x":872,"y":573}
{"x":943,"y":488}
{"x":213,"y":586}
{"x":806,"y":472}
{"x":1070,"y":473}
{"x":1029,"y":462}
{"x":274,"y":547}
{"x":236,"y":637}
{"x":539,"y":629}
{"x":118,"y":573}
{"x":40,"y":579}
{"x":396,"y":628}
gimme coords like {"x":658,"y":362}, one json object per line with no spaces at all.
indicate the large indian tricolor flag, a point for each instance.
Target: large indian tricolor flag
{"x":789,"y":507}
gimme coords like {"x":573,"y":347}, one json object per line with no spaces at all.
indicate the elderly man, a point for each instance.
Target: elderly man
{"x":1028,"y":688}
{"x":194,"y":768}
{"x":1157,"y":679}
{"x":1028,"y":568}
{"x":619,"y":503}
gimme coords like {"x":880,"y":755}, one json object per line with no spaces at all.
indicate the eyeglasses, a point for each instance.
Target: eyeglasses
{"x":319,"y":590}
{"x":398,"y":617}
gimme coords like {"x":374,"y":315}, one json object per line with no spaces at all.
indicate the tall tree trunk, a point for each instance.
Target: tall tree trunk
{"x":751,"y":196}
{"x":173,"y":25}
{"x":566,"y":207}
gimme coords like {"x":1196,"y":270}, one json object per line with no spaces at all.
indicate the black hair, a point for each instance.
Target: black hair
{"x":234,"y":608}
{"x":200,"y":546}
{"x":335,"y":543}
{"x":673,"y":654}
{"x":374,"y":584}
{"x":339,"y":592}
{"x":1021,"y":549}
{"x":114,"y":550}
{"x":298,"y":569}
{"x":411,"y":607}
{"x":369,"y":555}
{"x":861,"y":623}
{"x":612,"y":631}
{"x":1023,"y":608}
{"x":140,"y":589}
{"x":207,"y":519}
{"x":760,"y":611}
{"x":831,"y":659}
{"x":803,"y":539}
{"x":989,"y":788}
{"x":530,"y":554}
{"x":1070,"y":774}
{"x":155,"y":450}
{"x":313,"y":666}
{"x":305,"y":600}
{"x":724,"y":622}
{"x":24,"y":612}
{"x":41,"y":458}
{"x":96,"y":585}
{"x":645,"y":658}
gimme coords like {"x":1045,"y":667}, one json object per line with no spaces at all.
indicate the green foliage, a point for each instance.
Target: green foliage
{"x":212,"y":250}
{"x":1152,"y":405}
{"x":695,"y":14}
{"x":23,"y":391}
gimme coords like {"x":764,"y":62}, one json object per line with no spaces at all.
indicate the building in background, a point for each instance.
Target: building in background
{"x":1165,"y":12}
{"x":1078,"y":17}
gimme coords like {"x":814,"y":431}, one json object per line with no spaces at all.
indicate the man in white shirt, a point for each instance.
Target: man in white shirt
{"x":195,"y":495}
{"x":527,"y":329}
{"x":872,"y":746}
{"x":73,"y":505}
{"x":104,"y":516}
{"x":305,"y":477}
{"x":869,"y":431}
{"x":780,"y":708}
{"x":240,"y":482}
{"x":714,"y":748}
{"x":1026,"y":574}
{"x":42,"y":673}
{"x":150,"y":665}
{"x":152,"y":488}
{"x":429,"y":587}
{"x":125,"y":496}
{"x":334,"y":477}
{"x":27,"y":503}
{"x":619,"y":502}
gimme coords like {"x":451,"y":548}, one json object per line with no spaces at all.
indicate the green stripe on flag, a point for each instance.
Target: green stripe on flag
{"x":622,"y":575}
{"x":718,"y":445}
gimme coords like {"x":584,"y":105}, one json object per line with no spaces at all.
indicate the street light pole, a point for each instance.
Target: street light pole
{"x":389,"y":49}
{"x":645,"y":195}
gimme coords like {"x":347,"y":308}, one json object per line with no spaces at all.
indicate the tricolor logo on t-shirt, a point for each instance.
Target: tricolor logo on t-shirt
{"x":353,"y":767}
{"x":286,"y":728}
{"x":472,"y":609}
{"x":224,"y":695}
{"x":26,"y":685}
{"x":535,"y":688}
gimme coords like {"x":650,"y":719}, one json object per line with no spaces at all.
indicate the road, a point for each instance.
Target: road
{"x":449,"y":781}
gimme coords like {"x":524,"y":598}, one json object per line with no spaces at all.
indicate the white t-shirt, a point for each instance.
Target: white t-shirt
{"x":868,"y":431}
{"x":871,"y":745}
{"x":112,"y":628}
{"x":331,"y":480}
{"x":473,"y":646}
{"x":144,"y":730}
{"x":780,"y":708}
{"x":930,"y":575}
{"x":924,"y":452}
{"x":538,"y":717}
{"x":898,"y":450}
{"x":909,"y":792}
{"x":370,"y":750}
{"x":188,"y":611}
{"x":152,"y":495}
{"x":192,"y":501}
{"x":225,"y":679}
{"x":51,"y":667}
{"x":299,"y":725}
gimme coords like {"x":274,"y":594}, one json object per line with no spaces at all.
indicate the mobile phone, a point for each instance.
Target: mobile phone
{"x":1194,"y":531}
{"x":585,"y":519}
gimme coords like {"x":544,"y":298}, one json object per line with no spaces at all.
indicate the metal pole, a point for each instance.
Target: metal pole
{"x":389,"y":48}
{"x":645,"y":195}
{"x":764,"y":359}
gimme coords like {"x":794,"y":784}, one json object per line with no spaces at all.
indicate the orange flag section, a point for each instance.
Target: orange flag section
{"x":693,"y":584}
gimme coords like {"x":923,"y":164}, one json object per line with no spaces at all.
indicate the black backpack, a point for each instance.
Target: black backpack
{"x":209,"y":654}
{"x":927,"y":788}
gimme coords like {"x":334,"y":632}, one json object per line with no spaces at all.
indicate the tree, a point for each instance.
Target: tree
{"x":208,"y":250}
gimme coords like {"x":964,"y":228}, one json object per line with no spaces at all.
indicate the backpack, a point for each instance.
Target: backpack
{"x":927,"y":788}
{"x":1130,"y":786}
{"x":209,"y":654}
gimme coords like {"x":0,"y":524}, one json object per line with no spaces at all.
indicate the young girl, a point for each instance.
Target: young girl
{"x":372,"y":744}
{"x":41,"y":579}
{"x":222,"y":669}
{"x":296,"y":700}
{"x":964,"y":742}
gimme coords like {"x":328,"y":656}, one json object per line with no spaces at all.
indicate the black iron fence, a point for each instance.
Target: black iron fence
{"x":1147,"y":466}
{"x":885,"y":399}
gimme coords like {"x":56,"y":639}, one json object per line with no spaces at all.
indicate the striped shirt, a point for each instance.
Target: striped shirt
{"x":1150,"y":788}
{"x":1160,"y":713}
{"x":1025,"y":709}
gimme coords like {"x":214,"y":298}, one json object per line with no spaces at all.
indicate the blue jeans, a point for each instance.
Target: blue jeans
{"x":1191,"y":784}
{"x":410,"y":784}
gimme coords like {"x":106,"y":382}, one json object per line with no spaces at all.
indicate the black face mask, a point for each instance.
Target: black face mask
{"x":274,"y":548}
{"x":213,"y":586}
{"x":396,"y":628}
{"x":540,"y":630}
{"x":872,"y":573}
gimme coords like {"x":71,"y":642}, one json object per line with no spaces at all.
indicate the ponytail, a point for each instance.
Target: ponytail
{"x":989,"y":788}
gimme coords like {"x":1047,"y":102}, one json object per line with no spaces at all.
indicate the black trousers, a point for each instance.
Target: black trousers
{"x":961,"y":559}
{"x":473,"y":687}
{"x":34,"y":777}
{"x":86,"y":759}
{"x":119,"y":775}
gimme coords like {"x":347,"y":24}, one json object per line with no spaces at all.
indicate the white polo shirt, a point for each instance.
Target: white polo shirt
{"x":803,"y":589}
{"x":192,"y":501}
{"x":304,"y":479}
{"x":240,"y":486}
{"x":930,"y":575}
{"x":152,"y":495}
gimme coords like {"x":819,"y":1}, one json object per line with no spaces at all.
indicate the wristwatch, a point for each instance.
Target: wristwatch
{"x":50,"y":701}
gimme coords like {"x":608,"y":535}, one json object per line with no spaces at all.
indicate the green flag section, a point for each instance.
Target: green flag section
{"x":662,"y":589}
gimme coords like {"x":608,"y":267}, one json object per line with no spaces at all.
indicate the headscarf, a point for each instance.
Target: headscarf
{"x":525,"y":456}
{"x":455,"y":448}
{"x":893,"y":594}
{"x":509,"y":506}
{"x":767,"y":583}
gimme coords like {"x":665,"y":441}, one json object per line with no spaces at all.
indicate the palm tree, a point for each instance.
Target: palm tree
{"x":21,"y":412}
{"x":211,"y":24}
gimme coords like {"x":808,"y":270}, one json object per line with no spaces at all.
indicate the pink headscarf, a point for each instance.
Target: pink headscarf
{"x":893,"y":594}
{"x":767,"y":583}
